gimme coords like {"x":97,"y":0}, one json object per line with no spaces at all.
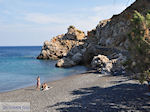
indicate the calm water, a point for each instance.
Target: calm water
{"x":19,"y":68}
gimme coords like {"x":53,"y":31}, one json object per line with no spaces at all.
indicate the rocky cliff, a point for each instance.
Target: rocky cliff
{"x":109,"y":38}
{"x":114,"y":32}
{"x":60,"y":45}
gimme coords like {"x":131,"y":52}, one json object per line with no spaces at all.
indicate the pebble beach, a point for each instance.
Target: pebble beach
{"x":88,"y":92}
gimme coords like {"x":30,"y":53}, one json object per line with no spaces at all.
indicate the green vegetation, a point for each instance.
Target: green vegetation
{"x":79,"y":31}
{"x":140,"y":44}
{"x":145,"y":76}
{"x":71,"y":26}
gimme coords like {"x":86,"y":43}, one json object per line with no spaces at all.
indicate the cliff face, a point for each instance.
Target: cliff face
{"x":114,"y":32}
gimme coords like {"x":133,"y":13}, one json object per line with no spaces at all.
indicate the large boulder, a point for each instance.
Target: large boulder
{"x":113,"y":64}
{"x":102,"y":64}
{"x":60,"y":45}
{"x":65,"y":62}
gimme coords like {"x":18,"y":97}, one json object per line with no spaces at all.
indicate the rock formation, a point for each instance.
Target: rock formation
{"x":61,"y":44}
{"x":105,"y":48}
{"x":110,"y":36}
{"x":74,"y":57}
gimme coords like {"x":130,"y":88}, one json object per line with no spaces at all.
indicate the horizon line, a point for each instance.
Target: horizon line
{"x":22,"y":46}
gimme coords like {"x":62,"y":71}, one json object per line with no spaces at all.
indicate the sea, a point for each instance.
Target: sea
{"x":19,"y":68}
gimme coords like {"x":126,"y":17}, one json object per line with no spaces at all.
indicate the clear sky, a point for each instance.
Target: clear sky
{"x":31,"y":22}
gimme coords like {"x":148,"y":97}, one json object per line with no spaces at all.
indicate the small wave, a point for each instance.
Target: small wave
{"x":28,"y":56}
{"x":18,"y":57}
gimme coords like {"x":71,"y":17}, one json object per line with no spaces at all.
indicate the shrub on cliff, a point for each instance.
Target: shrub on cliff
{"x":140,"y":43}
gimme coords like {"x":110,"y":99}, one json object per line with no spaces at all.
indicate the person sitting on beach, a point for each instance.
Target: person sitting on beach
{"x":38,"y":83}
{"x":44,"y":87}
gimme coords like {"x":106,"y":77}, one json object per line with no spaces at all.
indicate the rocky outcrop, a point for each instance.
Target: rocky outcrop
{"x":110,"y":35}
{"x":74,"y":57}
{"x":60,"y":45}
{"x":105,"y":48}
{"x":84,"y":54}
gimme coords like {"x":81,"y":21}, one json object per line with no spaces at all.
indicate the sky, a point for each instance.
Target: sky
{"x":31,"y":22}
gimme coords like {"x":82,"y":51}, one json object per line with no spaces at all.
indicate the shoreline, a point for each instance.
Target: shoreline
{"x":84,"y":92}
{"x":48,"y":82}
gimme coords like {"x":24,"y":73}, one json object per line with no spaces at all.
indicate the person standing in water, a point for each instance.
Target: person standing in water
{"x":38,"y":83}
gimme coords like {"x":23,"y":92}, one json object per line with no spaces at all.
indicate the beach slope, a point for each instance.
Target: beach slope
{"x":89,"y":92}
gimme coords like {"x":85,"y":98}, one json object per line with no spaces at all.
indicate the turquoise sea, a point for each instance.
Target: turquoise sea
{"x":19,"y":68}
